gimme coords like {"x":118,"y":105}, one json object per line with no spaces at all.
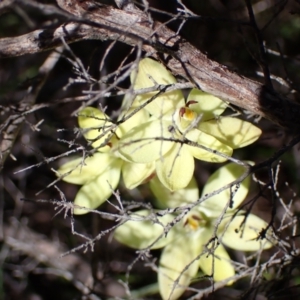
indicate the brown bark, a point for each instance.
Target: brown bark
{"x":132,"y":27}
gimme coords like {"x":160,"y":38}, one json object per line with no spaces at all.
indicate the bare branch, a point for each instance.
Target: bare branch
{"x":13,"y":123}
{"x":131,"y":27}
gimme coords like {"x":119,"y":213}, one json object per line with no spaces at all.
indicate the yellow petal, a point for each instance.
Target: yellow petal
{"x":141,"y":234}
{"x":166,"y":198}
{"x":145,"y":143}
{"x":220,"y":178}
{"x":210,"y":142}
{"x":84,"y":171}
{"x":207,"y":104}
{"x":176,"y":168}
{"x":135,"y":174}
{"x":217,"y":263}
{"x":245,"y":237}
{"x":129,"y":102}
{"x":97,"y":191}
{"x":233,"y":132}
{"x":142,"y":116}
{"x":174,"y":276}
{"x":165,"y":103}
{"x":97,"y":127}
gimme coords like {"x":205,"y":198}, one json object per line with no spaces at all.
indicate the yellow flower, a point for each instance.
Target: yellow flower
{"x":149,"y":73}
{"x":178,"y":132}
{"x":191,"y":244}
{"x":99,"y":174}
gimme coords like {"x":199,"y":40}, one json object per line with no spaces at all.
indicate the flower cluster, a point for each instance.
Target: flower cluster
{"x":157,"y":140}
{"x":196,"y":241}
{"x":100,"y":173}
{"x":179,"y":131}
{"x":162,"y":139}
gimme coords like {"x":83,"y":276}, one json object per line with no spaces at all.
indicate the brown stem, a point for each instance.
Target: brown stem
{"x":92,"y":21}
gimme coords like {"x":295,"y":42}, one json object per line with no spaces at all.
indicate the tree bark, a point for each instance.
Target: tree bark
{"x":91,"y":21}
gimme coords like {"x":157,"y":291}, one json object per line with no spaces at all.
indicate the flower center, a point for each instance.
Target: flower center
{"x":194,"y":221}
{"x":187,"y":114}
{"x":186,"y":117}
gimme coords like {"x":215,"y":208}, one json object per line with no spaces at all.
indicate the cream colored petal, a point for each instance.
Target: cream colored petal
{"x":166,"y":198}
{"x":97,"y":127}
{"x":245,"y":237}
{"x":165,"y":103}
{"x":141,"y":234}
{"x":145,"y":143}
{"x":233,"y":132}
{"x":142,"y":116}
{"x":210,"y":142}
{"x":86,"y":171}
{"x":217,"y":180}
{"x":135,"y":174}
{"x":97,"y":191}
{"x":216,"y":262}
{"x":174,"y":276}
{"x":207,"y":104}
{"x":175,"y":170}
{"x":129,"y":102}
{"x":162,"y":105}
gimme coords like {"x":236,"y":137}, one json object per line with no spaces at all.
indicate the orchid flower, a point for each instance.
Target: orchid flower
{"x":180,"y":131}
{"x":195,"y":242}
{"x":100,"y":174}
